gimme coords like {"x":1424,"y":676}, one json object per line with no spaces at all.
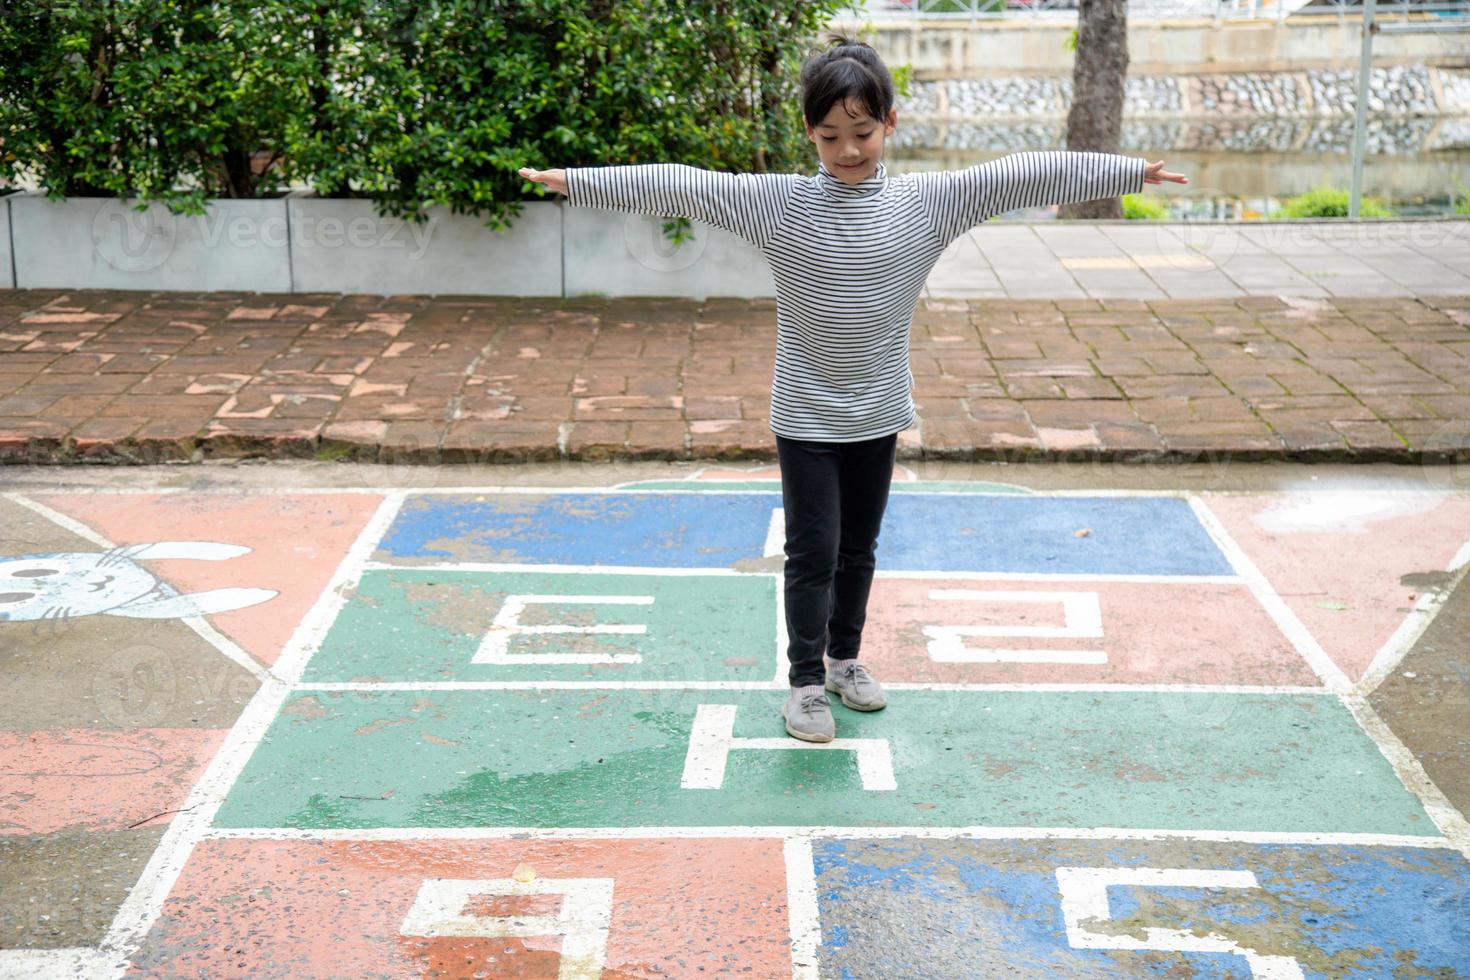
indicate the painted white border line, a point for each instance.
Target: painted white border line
{"x":145,"y":901}
{"x":199,"y":624}
{"x":801,"y":907}
{"x":1425,"y":608}
{"x":780,"y":684}
{"x":1286,"y":620}
{"x":517,"y":568}
{"x":829,"y":833}
{"x":1450,"y":821}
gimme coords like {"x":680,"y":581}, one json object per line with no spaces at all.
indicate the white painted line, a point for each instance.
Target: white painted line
{"x":712,"y":738}
{"x":775,"y":546}
{"x":1425,"y":608}
{"x":1069,"y":577}
{"x":521,"y":568}
{"x":582,"y":921}
{"x":517,"y":568}
{"x":801,"y":908}
{"x":1084,"y":898}
{"x":1462,"y":557}
{"x":1286,"y":620}
{"x":1451,"y":822}
{"x":781,"y":684}
{"x":495,"y":645}
{"x":145,"y":901}
{"x":75,"y":963}
{"x":831,"y":833}
{"x":199,"y":624}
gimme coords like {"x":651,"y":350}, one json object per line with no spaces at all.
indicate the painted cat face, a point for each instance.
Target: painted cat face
{"x":60,"y":585}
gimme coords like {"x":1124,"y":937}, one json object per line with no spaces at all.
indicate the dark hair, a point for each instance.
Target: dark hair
{"x":847,"y":69}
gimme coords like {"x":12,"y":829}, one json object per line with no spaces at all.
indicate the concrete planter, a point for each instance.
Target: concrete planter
{"x":301,"y":243}
{"x":103,"y":243}
{"x":613,"y":253}
{"x":342,"y":246}
{"x":7,"y":253}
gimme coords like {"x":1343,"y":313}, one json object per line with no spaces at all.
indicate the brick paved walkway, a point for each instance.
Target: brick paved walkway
{"x":146,"y":377}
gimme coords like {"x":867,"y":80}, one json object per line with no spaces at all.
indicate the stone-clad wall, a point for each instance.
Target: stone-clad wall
{"x":1396,"y":90}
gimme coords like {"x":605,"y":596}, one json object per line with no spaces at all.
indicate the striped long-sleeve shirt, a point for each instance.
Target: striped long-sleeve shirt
{"x":850,"y":261}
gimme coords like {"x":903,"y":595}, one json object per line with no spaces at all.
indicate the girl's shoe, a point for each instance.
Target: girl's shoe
{"x":858,"y":689}
{"x":808,"y":714}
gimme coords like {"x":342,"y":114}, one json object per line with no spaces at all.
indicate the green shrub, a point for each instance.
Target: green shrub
{"x":1142,"y":207}
{"x":1328,"y":202}
{"x":1461,"y":198}
{"x":176,"y":102}
{"x":408,"y":103}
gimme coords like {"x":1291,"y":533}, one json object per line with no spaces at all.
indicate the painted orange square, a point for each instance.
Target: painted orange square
{"x":258,"y":908}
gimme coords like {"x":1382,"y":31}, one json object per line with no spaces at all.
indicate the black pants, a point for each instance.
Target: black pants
{"x":834,"y":494}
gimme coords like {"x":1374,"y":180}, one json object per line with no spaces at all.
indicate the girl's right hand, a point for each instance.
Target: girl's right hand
{"x":554,"y":180}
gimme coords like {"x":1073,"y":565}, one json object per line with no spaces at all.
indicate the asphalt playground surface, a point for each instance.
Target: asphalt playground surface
{"x":273,"y":719}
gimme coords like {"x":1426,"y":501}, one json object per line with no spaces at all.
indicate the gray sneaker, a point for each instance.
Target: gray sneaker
{"x":858,"y":689}
{"x":808,"y":714}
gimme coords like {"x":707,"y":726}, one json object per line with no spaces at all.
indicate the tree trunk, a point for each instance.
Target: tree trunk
{"x":1095,"y":120}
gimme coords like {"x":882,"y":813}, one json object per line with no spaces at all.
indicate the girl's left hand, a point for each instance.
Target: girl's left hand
{"x":1154,"y":173}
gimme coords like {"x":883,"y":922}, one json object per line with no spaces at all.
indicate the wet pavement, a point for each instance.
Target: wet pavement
{"x":275,"y":719}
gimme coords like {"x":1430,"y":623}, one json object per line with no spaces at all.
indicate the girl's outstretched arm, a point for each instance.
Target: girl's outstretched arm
{"x":748,"y":205}
{"x":957,"y":200}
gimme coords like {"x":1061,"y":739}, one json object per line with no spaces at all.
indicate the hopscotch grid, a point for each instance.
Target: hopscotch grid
{"x":154,"y":885}
{"x":828,"y":832}
{"x":145,"y":901}
{"x":1410,"y":774}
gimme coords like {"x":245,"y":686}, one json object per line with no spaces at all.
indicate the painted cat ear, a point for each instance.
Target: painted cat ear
{"x":200,"y":550}
{"x":195,"y":604}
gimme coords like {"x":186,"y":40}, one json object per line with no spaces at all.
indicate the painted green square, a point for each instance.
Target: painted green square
{"x":616,"y":758}
{"x":429,"y":624}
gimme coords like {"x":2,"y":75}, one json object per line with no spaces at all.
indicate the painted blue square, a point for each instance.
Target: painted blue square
{"x":1006,"y":533}
{"x":628,"y":529}
{"x":968,"y":907}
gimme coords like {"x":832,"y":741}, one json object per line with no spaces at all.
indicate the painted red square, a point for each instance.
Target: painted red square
{"x":1152,"y":633}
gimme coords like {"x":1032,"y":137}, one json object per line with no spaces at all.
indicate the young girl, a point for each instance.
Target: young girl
{"x":850,"y":250}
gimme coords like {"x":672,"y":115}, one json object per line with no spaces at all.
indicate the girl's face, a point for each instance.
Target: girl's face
{"x":848,"y":135}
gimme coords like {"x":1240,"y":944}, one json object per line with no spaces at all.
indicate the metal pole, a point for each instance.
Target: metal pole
{"x":1360,"y":121}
